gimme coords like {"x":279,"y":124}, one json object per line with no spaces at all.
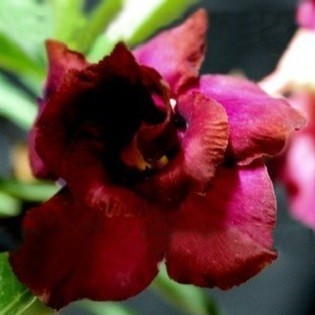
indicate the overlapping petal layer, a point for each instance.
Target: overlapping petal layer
{"x":177,"y":54}
{"x":223,"y":237}
{"x":60,"y":59}
{"x":71,"y":252}
{"x":98,"y":87}
{"x":259,"y":124}
{"x":203,"y":141}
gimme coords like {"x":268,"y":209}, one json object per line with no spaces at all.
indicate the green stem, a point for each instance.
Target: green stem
{"x":190,"y":299}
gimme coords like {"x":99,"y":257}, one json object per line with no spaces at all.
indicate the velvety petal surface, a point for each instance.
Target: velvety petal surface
{"x":70,"y":252}
{"x":206,"y":137}
{"x":203,"y":141}
{"x":224,"y":237}
{"x":110,"y":94}
{"x":39,"y":169}
{"x":177,"y":53}
{"x":61,"y":59}
{"x":259,"y":124}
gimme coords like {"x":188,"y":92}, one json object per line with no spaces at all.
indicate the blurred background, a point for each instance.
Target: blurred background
{"x":248,"y":37}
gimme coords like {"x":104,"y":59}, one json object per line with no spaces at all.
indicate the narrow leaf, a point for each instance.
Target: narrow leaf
{"x":101,"y":47}
{"x":68,"y":20}
{"x":190,"y":299}
{"x":35,"y":192}
{"x":137,"y":21}
{"x":14,"y":59}
{"x":9,"y":206}
{"x":27,"y":23}
{"x":15,"y":105}
{"x":164,"y":13}
{"x":98,"y":20}
{"x":14,"y":297}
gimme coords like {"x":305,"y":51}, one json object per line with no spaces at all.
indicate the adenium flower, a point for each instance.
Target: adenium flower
{"x":294,"y":77}
{"x":158,"y":163}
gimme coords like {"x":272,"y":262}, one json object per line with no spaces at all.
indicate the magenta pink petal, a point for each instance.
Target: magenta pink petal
{"x":70,"y":252}
{"x":224,"y":237}
{"x":259,"y":124}
{"x":177,"y":53}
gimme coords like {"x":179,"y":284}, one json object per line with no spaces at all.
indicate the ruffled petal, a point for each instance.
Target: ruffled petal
{"x":224,"y":237}
{"x":61,"y":59}
{"x":70,"y":252}
{"x":203,"y":144}
{"x":178,"y":53}
{"x":111,"y":94}
{"x":206,"y":137}
{"x":259,"y":124}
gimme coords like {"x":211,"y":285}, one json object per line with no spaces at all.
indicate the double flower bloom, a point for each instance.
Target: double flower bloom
{"x":159,"y":163}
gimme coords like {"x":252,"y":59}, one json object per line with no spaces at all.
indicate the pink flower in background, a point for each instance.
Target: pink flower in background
{"x":306,"y":14}
{"x":298,"y":173}
{"x":294,"y":77}
{"x":158,"y":163}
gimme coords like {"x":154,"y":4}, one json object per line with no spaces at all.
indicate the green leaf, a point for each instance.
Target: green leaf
{"x":24,"y":25}
{"x":101,"y":47}
{"x":35,"y":192}
{"x":164,"y":13}
{"x":98,"y":20}
{"x":138,"y":20}
{"x":14,"y":297}
{"x":9,"y":206}
{"x":190,"y":299}
{"x":68,"y":20}
{"x":38,"y":308}
{"x":15,"y":105}
{"x":13,"y":58}
{"x":27,"y":23}
{"x":104,"y":308}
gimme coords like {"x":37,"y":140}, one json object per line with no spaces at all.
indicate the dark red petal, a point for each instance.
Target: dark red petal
{"x":60,"y":59}
{"x":38,"y":167}
{"x":203,"y":145}
{"x":111,"y":93}
{"x":223,"y":237}
{"x":70,"y":252}
{"x":177,"y":53}
{"x":259,"y":124}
